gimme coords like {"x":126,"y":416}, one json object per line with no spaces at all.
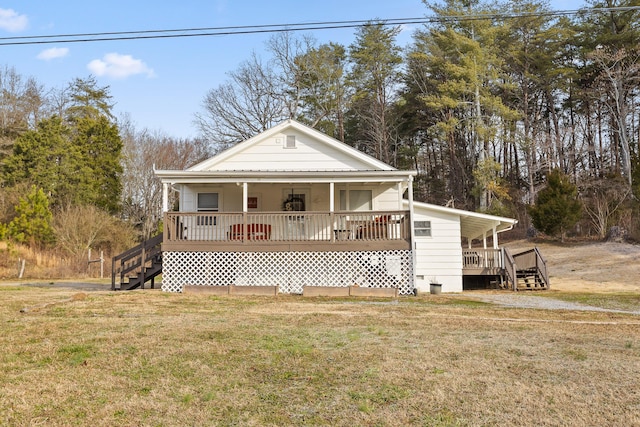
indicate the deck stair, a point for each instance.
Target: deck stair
{"x":137,"y":266}
{"x":530,"y":271}
{"x":529,"y":279}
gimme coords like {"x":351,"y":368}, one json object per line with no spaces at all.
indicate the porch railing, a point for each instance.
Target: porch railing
{"x":286,"y":226}
{"x":482,"y":258}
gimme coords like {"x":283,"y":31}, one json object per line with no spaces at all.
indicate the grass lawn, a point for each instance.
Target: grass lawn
{"x":151,"y":358}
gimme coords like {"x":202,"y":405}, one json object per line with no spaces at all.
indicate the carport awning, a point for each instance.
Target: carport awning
{"x":476,"y":226}
{"x":473,"y":225}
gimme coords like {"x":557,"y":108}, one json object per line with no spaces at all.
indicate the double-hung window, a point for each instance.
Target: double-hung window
{"x":422,"y":228}
{"x":356,"y":200}
{"x":207,"y":202}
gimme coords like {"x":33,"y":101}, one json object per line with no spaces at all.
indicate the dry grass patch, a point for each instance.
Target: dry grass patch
{"x":151,"y":358}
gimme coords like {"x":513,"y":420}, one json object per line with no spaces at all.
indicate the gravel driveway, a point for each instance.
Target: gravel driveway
{"x":520,"y":300}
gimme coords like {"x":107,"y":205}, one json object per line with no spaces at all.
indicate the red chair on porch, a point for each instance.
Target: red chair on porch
{"x":374,"y":230}
{"x":254,"y":232}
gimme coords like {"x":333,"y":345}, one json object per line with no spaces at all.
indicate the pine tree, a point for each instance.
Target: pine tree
{"x":557,"y":206}
{"x":33,"y":220}
{"x":374,"y":75}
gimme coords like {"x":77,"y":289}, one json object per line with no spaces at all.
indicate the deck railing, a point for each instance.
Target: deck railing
{"x":286,"y":226}
{"x":482,"y":258}
{"x":510,"y":269}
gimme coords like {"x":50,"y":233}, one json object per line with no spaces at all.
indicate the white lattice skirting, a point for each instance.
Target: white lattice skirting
{"x":290,"y":271}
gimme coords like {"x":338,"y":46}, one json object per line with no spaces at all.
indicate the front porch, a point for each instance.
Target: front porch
{"x":288,"y":250}
{"x":286,"y":231}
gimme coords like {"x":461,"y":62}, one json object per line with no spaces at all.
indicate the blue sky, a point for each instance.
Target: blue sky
{"x":161,"y":83}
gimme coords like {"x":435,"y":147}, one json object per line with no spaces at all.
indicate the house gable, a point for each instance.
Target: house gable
{"x":291,"y":146}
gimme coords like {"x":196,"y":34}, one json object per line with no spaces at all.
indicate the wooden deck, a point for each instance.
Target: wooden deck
{"x":525,"y":270}
{"x":286,"y":231}
{"x":482,"y":262}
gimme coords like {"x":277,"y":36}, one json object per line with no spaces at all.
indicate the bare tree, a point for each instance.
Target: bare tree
{"x":619,"y":77}
{"x":249,"y":103}
{"x":602,"y":201}
{"x":142,"y":190}
{"x":79,"y":227}
{"x":22,"y":103}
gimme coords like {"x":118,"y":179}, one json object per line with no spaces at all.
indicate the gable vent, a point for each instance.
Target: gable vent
{"x":290,"y":142}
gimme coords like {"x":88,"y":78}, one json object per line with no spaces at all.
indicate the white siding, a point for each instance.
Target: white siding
{"x":439,"y":257}
{"x":272,"y":196}
{"x":309,"y":154}
{"x":385,"y":197}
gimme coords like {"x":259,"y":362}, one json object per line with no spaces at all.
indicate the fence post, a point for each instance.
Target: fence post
{"x":21,"y":264}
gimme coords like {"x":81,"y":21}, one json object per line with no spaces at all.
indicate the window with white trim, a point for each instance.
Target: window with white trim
{"x":422,"y":228}
{"x":356,"y":200}
{"x":207,"y":202}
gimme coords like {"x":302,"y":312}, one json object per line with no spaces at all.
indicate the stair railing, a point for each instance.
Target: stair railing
{"x":541,"y":267}
{"x":533,"y":259}
{"x":135,"y":259}
{"x":510,"y":268}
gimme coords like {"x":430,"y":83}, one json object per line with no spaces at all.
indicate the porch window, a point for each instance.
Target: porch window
{"x":422,"y":228}
{"x":207,"y":202}
{"x":356,"y":200}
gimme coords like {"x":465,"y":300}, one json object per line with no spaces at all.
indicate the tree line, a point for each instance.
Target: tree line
{"x":491,"y":103}
{"x":486,"y":101}
{"x":74,"y":177}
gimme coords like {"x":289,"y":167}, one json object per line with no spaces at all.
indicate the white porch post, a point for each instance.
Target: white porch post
{"x":495,"y":238}
{"x":412,"y":232}
{"x":484,"y":246}
{"x":399,"y":191}
{"x":331,"y":197}
{"x":165,"y":197}
{"x":245,"y":197}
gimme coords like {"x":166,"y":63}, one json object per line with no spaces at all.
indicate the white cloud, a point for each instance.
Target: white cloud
{"x":119,"y":66}
{"x":53,"y":53}
{"x":11,"y":21}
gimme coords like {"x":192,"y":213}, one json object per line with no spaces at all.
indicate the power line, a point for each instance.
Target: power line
{"x":275,"y":28}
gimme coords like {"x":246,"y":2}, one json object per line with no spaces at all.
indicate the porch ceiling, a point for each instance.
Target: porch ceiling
{"x":324,"y":176}
{"x":474,"y":227}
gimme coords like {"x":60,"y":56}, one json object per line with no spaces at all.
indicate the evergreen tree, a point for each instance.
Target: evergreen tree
{"x":322,"y":93}
{"x":44,"y":157}
{"x":99,"y":147}
{"x":33,"y":221}
{"x":374,"y":78}
{"x":557,"y":206}
{"x":77,"y":161}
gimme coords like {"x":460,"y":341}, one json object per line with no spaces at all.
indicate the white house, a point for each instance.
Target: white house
{"x":295,"y":209}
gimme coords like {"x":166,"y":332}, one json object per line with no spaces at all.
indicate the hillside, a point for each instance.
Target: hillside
{"x":592,"y":267}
